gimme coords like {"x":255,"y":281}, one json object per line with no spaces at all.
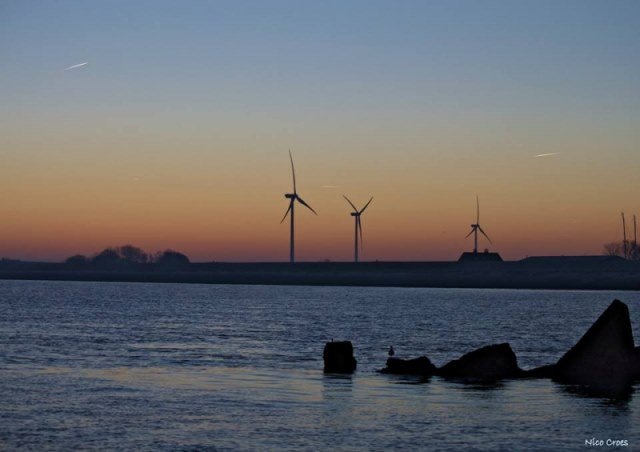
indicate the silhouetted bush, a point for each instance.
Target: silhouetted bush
{"x":130,"y":253}
{"x":613,"y":249}
{"x":618,"y":249}
{"x":124,"y":256}
{"x":107,"y":258}
{"x":170,"y":259}
{"x":77,"y":261}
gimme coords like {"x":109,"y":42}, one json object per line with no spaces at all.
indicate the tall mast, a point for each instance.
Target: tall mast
{"x":624,"y":237}
{"x":634,"y":253}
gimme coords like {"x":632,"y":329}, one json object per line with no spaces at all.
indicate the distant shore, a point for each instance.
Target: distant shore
{"x":576,"y":273}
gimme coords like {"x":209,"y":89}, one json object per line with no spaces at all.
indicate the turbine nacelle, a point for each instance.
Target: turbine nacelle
{"x":290,"y":195}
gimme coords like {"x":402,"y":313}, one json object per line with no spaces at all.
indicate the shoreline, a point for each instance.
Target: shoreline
{"x":525,"y":274}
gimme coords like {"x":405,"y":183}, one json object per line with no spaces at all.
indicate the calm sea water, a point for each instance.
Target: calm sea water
{"x":201,"y":367}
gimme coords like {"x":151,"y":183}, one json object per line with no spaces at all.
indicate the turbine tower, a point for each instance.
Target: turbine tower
{"x":293,"y":197}
{"x":635,"y":239}
{"x":476,"y":227}
{"x":358,"y":223}
{"x":624,"y":236}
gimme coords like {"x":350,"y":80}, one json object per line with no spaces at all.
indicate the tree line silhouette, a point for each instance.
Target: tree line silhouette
{"x":128,"y":257}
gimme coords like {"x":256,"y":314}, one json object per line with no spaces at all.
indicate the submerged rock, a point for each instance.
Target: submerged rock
{"x":487,"y":364}
{"x":604,"y":361}
{"x":417,"y":366}
{"x":338,"y":357}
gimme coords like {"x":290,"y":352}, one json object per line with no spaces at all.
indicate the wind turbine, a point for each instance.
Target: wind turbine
{"x":293,"y":197}
{"x":358,"y":231}
{"x":476,"y":227}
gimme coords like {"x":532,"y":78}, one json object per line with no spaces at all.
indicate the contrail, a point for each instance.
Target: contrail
{"x":545,"y":155}
{"x":77,"y":65}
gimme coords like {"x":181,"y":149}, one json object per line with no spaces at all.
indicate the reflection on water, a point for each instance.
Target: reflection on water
{"x":188,"y":367}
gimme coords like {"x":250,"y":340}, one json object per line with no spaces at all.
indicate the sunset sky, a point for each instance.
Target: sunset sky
{"x":176,"y":132}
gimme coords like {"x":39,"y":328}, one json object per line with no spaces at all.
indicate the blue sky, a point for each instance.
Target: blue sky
{"x":329,"y":55}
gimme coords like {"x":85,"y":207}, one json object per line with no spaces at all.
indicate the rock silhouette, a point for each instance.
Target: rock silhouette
{"x":604,"y":361}
{"x":485,"y":365}
{"x":338,"y":357}
{"x":417,"y":366}
{"x":546,"y":371}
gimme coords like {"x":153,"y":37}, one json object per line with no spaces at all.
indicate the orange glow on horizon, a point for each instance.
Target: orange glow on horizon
{"x":412,"y":217}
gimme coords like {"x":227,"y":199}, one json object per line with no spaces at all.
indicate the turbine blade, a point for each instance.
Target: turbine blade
{"x":477,"y":210}
{"x":354,"y":207}
{"x":472,"y":229}
{"x":305,"y":204}
{"x":360,"y":229}
{"x":293,"y":172}
{"x":483,"y":233}
{"x":287,"y":212}
{"x":366,"y":205}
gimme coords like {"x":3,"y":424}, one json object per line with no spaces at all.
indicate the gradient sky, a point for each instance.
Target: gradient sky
{"x":175,"y":134}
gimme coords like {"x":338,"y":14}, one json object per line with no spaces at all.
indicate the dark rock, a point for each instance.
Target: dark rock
{"x":417,"y":366}
{"x":603,"y":359}
{"x":338,"y":357}
{"x":540,"y":372}
{"x":487,"y":364}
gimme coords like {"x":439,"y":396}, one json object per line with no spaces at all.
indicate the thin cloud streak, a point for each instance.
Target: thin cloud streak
{"x":545,"y":155}
{"x":77,"y":66}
